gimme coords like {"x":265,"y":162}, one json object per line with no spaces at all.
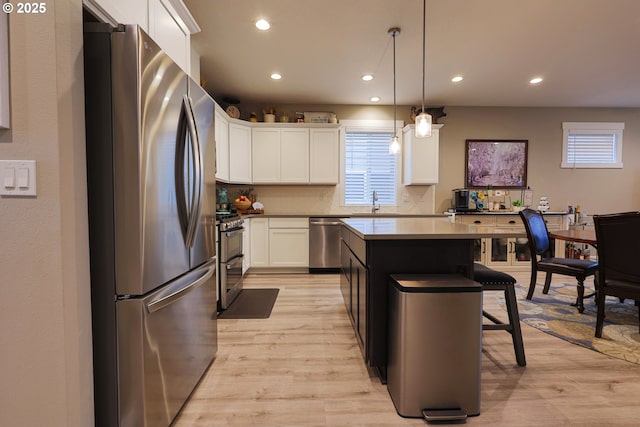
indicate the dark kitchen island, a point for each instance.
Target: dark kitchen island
{"x":374,"y":248}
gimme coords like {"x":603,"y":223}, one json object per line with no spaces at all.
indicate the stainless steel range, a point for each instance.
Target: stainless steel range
{"x":230,"y":253}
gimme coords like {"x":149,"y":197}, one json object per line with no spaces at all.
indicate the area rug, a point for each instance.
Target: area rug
{"x":554,"y":314}
{"x":251,"y":304}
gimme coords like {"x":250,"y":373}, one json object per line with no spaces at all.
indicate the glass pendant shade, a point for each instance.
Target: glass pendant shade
{"x":423,"y":125}
{"x":394,"y":147}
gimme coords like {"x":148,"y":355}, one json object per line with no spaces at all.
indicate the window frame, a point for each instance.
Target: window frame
{"x":369,"y":126}
{"x":592,"y":128}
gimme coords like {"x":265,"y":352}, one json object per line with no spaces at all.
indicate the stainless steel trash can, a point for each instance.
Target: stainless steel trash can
{"x":435,"y":339}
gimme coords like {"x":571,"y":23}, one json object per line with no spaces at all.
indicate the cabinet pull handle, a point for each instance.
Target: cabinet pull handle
{"x":512,"y":222}
{"x":477,"y":221}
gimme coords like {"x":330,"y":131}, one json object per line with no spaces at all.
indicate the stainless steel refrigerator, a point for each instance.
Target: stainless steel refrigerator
{"x":151,"y":190}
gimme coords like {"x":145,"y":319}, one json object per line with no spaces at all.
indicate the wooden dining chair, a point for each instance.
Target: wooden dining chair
{"x":540,"y":246}
{"x":618,"y":240}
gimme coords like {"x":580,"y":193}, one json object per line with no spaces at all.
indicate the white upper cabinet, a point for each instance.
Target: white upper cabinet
{"x":280,"y":155}
{"x":265,"y":155}
{"x":421,"y":156}
{"x":120,"y":11}
{"x":168,"y":22}
{"x":222,"y":145}
{"x":294,"y":155}
{"x":239,"y":153}
{"x":324,"y":156}
{"x":167,"y":29}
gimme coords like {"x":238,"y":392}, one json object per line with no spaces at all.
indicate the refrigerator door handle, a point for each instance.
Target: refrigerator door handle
{"x":196,"y":196}
{"x":182,"y":287}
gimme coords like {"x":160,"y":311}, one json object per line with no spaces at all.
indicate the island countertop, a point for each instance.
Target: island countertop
{"x":421,"y":228}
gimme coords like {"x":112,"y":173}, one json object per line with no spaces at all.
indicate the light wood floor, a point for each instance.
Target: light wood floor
{"x":303,"y":367}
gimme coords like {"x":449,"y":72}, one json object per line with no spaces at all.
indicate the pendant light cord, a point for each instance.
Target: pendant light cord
{"x":395,"y":107}
{"x":424,"y":31}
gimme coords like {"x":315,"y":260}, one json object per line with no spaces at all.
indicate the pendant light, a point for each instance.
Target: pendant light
{"x":423,"y":120}
{"x":394,"y":147}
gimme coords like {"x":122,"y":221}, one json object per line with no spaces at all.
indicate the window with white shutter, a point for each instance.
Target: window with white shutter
{"x":592,"y":145}
{"x":369,"y":167}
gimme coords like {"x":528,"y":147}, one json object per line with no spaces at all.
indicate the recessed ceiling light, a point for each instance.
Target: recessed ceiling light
{"x":263,"y":24}
{"x":276,"y":76}
{"x":457,"y":79}
{"x":367,"y":77}
{"x":375,"y":99}
{"x":535,"y":80}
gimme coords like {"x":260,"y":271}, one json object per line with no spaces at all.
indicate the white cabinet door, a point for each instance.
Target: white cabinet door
{"x":222,"y":146}
{"x":289,"y":247}
{"x":259,"y":242}
{"x":421,"y":157}
{"x":122,"y":11}
{"x":294,"y":156}
{"x":246,"y":245}
{"x":323,"y":156}
{"x":170,"y":33}
{"x":265,"y":148}
{"x":239,"y":154}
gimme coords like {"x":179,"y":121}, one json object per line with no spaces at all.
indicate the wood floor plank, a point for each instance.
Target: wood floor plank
{"x":303,"y":367}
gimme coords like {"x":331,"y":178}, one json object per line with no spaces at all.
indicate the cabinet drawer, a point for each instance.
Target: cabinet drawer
{"x":288,"y":222}
{"x":485,"y":220}
{"x":512,"y":221}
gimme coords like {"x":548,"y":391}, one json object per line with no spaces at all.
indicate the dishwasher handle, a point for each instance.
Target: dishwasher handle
{"x":320,"y":223}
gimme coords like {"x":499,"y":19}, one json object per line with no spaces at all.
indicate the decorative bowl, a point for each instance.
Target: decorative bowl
{"x":242,"y":204}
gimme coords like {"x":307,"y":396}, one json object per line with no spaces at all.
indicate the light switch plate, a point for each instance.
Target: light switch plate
{"x":17,"y":177}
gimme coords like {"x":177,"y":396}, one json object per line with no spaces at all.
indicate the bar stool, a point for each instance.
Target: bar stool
{"x":492,"y":280}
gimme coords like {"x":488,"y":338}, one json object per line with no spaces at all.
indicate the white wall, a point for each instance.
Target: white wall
{"x":45,"y":326}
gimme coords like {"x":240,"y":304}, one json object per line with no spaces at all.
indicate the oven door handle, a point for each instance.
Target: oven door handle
{"x":234,"y":232}
{"x":233,"y":261}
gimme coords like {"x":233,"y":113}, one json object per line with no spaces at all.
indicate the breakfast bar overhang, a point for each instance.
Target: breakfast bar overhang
{"x":374,"y":248}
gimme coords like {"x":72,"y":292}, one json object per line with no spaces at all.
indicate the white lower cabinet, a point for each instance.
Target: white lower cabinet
{"x":508,"y":252}
{"x":259,"y":239}
{"x":289,"y":247}
{"x":246,"y":245}
{"x":279,"y":242}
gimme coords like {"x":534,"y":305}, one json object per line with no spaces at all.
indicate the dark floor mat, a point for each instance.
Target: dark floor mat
{"x":251,"y":304}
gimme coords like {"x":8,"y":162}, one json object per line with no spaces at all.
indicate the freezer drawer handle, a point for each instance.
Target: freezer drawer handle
{"x":175,"y":294}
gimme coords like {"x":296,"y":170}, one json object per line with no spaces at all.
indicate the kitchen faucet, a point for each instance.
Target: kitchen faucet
{"x":374,"y":199}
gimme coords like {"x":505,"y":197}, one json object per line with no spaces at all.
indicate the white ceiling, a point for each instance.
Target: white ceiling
{"x":587,"y":51}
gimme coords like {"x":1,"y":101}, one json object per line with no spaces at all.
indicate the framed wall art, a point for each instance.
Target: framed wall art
{"x":496,"y":163}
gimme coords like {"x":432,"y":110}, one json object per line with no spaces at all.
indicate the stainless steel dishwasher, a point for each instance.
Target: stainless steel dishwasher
{"x":324,"y":244}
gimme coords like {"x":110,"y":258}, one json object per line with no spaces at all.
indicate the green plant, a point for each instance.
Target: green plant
{"x":516,"y":203}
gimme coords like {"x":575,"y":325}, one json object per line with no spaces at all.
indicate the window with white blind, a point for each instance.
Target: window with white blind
{"x":369,"y":167}
{"x":592,"y":145}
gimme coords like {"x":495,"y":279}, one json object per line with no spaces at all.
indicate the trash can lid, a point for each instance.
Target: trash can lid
{"x":434,"y":283}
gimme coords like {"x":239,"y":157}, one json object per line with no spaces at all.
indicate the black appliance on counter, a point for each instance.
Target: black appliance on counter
{"x":461,"y":201}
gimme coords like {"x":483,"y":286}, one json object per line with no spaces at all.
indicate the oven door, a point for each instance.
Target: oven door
{"x":231,"y":244}
{"x":230,"y":280}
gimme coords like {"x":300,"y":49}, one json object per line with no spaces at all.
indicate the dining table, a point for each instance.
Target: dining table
{"x":576,"y":235}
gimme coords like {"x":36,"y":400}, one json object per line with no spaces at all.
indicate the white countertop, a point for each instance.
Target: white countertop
{"x":421,"y":228}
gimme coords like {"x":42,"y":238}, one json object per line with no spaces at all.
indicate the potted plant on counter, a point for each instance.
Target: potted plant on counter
{"x":517,"y":206}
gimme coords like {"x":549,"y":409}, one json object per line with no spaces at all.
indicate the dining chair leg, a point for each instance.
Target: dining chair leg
{"x":600,"y":315}
{"x":532,"y":282}
{"x":580,"y":300}
{"x":547,"y":283}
